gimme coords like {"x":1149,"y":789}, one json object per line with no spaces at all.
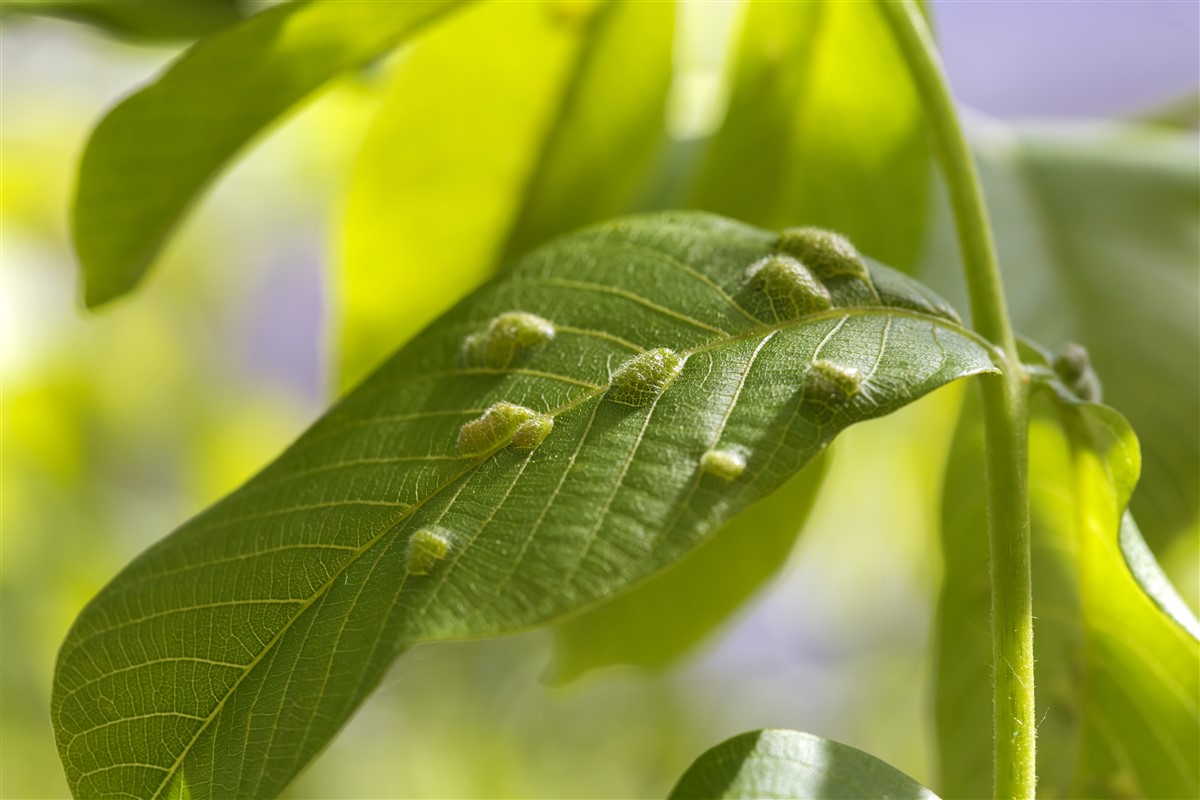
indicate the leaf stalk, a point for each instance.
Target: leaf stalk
{"x":1005,"y":406}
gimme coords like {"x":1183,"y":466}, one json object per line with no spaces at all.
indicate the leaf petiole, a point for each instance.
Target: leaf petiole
{"x":1005,"y":405}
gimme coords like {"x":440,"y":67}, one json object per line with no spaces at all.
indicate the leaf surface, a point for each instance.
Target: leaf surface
{"x":824,"y":126}
{"x":661,"y":620}
{"x":570,"y":429}
{"x":790,"y":765}
{"x":481,"y":150}
{"x":151,"y":156}
{"x":1118,"y":661}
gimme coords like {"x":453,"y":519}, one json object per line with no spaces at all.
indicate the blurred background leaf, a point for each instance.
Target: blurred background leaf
{"x":1097,"y":232}
{"x":814,"y":132}
{"x":151,"y":156}
{"x":479,"y":152}
{"x":143,"y":22}
{"x":1118,"y":678}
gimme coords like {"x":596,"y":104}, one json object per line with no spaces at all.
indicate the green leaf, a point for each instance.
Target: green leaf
{"x":141,"y":22}
{"x":823,"y":126}
{"x":482,"y":149}
{"x":1098,"y":229}
{"x":153,"y":154}
{"x":1118,"y":662}
{"x":661,"y":620}
{"x":790,"y":765}
{"x":575,"y":426}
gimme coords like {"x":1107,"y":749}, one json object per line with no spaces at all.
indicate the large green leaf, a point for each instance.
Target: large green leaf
{"x":677,"y":367}
{"x":482,"y":148}
{"x":1118,"y":662}
{"x":824,"y":125}
{"x":790,"y":765}
{"x":658,"y":622}
{"x":153,"y":154}
{"x":1098,"y":230}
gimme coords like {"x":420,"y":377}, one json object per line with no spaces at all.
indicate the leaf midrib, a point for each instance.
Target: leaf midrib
{"x":763,"y":331}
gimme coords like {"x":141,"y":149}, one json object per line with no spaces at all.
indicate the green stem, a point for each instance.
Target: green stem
{"x":1005,"y":414}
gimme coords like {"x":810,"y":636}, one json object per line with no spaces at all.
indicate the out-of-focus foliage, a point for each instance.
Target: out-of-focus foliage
{"x":1118,"y":661}
{"x":165,"y":20}
{"x":151,"y":156}
{"x":114,"y":427}
{"x":825,"y":127}
{"x":1098,"y":238}
{"x":556,"y":129}
{"x":783,"y":764}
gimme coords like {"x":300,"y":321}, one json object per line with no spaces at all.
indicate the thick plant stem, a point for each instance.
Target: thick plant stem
{"x":1005,"y":415}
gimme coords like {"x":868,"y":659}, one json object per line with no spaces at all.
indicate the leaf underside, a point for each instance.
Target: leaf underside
{"x":790,"y":765}
{"x":225,"y":657}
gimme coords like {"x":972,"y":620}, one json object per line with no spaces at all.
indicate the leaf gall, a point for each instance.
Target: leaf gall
{"x":509,"y":339}
{"x":790,"y":288}
{"x":425,"y":549}
{"x":641,"y":379}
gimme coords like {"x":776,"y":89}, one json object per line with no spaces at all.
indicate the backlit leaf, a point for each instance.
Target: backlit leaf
{"x":151,"y":157}
{"x":1118,"y":661}
{"x":467,"y":490}
{"x":823,"y":126}
{"x":482,"y":149}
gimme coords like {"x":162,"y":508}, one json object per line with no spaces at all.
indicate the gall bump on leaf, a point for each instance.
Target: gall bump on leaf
{"x":789,"y":287}
{"x":827,"y":254}
{"x":827,"y":387}
{"x":509,"y":339}
{"x":641,"y":379}
{"x":727,"y":465}
{"x":532,"y":432}
{"x":426,"y":548}
{"x":495,"y":427}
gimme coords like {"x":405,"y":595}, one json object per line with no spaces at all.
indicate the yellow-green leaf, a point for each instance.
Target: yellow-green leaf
{"x":1118,"y":661}
{"x":483,"y":148}
{"x":153,"y":155}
